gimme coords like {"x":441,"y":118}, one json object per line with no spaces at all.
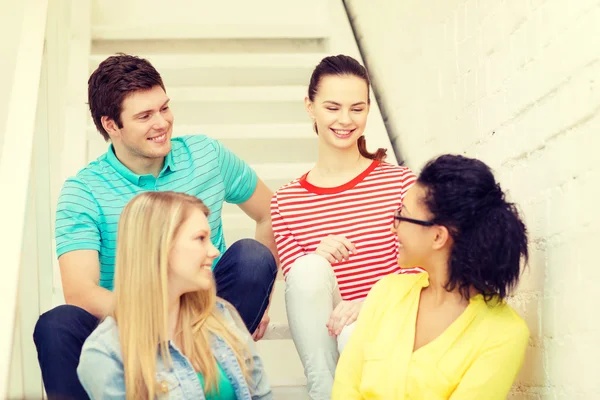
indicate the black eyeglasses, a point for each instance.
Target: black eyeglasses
{"x":398,"y":218}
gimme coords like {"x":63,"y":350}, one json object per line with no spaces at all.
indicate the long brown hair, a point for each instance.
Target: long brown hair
{"x":148,"y":226}
{"x":341,"y":65}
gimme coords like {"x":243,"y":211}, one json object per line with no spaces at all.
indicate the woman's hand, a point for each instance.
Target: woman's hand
{"x":335,"y":248}
{"x":344,"y":314}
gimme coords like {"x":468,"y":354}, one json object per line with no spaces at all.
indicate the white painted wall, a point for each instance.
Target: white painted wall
{"x":24,"y":211}
{"x":517,"y":84}
{"x":11,"y":19}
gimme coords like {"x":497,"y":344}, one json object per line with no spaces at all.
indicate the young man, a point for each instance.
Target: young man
{"x":130,"y":107}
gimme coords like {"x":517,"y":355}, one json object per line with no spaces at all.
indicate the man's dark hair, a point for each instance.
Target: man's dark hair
{"x":113,"y":80}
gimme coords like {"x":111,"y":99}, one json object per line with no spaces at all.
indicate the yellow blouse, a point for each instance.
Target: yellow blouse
{"x":477,"y":357}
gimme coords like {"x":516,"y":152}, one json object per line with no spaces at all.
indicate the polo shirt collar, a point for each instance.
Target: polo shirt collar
{"x":131,"y":176}
{"x":170,"y":164}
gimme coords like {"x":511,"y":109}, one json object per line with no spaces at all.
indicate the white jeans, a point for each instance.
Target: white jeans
{"x":311,"y":294}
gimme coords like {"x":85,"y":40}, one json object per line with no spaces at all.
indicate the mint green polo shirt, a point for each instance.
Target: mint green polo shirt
{"x":90,"y":203}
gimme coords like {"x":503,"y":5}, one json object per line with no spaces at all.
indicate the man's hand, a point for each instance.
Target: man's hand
{"x":335,"y":248}
{"x":344,"y":314}
{"x":262,"y":327}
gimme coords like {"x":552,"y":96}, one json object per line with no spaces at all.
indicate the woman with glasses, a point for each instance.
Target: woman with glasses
{"x":447,"y":333}
{"x":332,"y":224}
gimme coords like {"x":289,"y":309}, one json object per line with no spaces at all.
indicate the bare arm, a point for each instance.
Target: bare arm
{"x":258,"y":207}
{"x":80,"y":274}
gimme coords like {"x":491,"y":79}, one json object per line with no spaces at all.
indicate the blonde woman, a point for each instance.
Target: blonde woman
{"x":169,"y":336}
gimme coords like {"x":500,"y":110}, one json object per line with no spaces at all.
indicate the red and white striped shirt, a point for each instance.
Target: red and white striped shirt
{"x":362,"y":210}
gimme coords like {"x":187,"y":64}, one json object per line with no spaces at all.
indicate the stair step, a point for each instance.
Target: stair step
{"x":236,"y":94}
{"x":176,"y":47}
{"x":239,"y":69}
{"x":290,"y":392}
{"x":281,"y":362}
{"x":278,"y":332}
{"x":236,"y":131}
{"x":277,"y":310}
{"x":292,"y":150}
{"x":273,"y":171}
{"x":275,"y":184}
{"x":238,"y":60}
{"x":238,"y":105}
{"x":207,"y":31}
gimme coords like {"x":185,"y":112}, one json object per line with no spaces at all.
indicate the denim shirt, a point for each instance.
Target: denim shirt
{"x":101,"y":373}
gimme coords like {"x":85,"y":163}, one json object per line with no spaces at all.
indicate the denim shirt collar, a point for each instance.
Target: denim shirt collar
{"x":224,"y":355}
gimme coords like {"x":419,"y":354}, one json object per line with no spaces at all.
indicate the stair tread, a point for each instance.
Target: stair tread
{"x":208,"y":31}
{"x":238,"y":60}
{"x":258,"y":131}
{"x":229,"y":94}
{"x":278,"y":332}
{"x":281,"y":170}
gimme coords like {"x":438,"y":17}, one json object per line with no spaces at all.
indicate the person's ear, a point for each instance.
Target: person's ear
{"x":110,"y":126}
{"x":309,"y":106}
{"x":442,"y":237}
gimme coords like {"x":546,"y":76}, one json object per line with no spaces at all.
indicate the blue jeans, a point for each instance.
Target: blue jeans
{"x":244,"y":275}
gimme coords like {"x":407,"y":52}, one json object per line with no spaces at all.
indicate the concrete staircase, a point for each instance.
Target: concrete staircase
{"x":248,"y":93}
{"x":243,"y":84}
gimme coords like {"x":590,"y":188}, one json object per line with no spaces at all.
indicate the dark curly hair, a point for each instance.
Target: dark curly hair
{"x":113,"y":80}
{"x":490,"y":240}
{"x":342,"y":65}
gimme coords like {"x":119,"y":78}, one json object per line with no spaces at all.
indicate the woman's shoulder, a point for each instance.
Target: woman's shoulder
{"x":229,"y":314}
{"x":105,"y":337}
{"x":398,"y":284}
{"x":290,"y":186}
{"x":396,"y":173}
{"x":504,"y":323}
{"x":393,"y":168}
{"x":290,"y":189}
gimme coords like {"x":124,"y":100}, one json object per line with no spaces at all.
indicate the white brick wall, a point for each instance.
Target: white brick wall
{"x":515,"y":83}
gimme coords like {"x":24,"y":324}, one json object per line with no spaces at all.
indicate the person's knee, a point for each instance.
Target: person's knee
{"x":48,"y":322}
{"x":310,"y":274}
{"x":255,"y":257}
{"x":58,"y":319}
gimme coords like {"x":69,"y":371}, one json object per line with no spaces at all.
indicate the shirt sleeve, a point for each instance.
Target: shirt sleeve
{"x":408,"y":180}
{"x":77,"y":215}
{"x":348,"y":374}
{"x":238,"y":178}
{"x":492,"y":374}
{"x":101,"y":374}
{"x":288,"y":248}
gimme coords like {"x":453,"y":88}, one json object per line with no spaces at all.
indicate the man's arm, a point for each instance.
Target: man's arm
{"x":258,"y":207}
{"x":80,"y":274}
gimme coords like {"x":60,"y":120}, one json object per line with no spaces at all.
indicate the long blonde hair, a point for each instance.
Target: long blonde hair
{"x":147,"y":228}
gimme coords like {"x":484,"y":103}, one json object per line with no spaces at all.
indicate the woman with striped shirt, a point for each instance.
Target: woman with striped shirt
{"x":332,"y":225}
